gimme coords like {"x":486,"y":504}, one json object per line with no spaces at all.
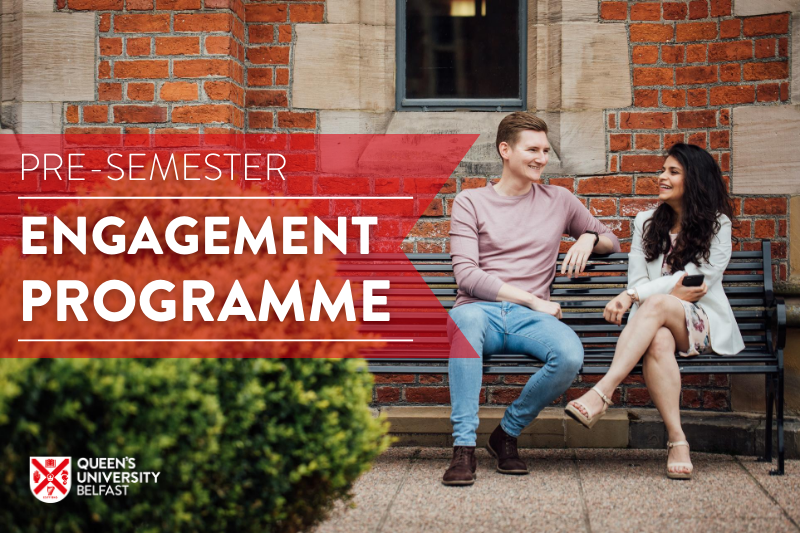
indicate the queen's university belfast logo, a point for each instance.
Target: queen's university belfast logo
{"x":51,"y":478}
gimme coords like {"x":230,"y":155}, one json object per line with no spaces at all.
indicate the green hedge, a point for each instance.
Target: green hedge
{"x":241,"y":444}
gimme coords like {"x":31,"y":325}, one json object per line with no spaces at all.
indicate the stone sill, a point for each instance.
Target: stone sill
{"x":733,"y":433}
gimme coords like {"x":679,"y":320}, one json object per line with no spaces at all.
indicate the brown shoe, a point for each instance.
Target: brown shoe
{"x":462,"y":467}
{"x":503,"y":447}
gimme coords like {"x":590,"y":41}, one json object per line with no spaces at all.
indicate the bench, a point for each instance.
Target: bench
{"x":760,"y":315}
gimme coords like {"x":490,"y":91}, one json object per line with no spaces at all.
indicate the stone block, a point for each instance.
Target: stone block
{"x":765,"y":144}
{"x":10,"y":51}
{"x":339,"y":153}
{"x":420,"y":425}
{"x":49,"y":71}
{"x":27,"y":6}
{"x":610,"y":432}
{"x":791,"y":364}
{"x":582,"y":147}
{"x":410,"y":419}
{"x":353,"y":122}
{"x":544,"y":67}
{"x":423,"y":439}
{"x":720,"y":434}
{"x":371,"y":12}
{"x":343,"y":11}
{"x":554,"y":11}
{"x":36,"y":117}
{"x":326,"y":66}
{"x":344,"y":66}
{"x":378,"y":12}
{"x":796,"y":55}
{"x":482,"y":123}
{"x":376,"y":68}
{"x":794,"y":229}
{"x":594,"y":75}
{"x":12,"y":154}
{"x":762,"y":7}
{"x":646,"y":430}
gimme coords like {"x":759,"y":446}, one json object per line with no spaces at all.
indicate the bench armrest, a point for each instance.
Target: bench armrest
{"x":778,"y":313}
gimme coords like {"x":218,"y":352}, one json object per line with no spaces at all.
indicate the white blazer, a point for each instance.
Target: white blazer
{"x":646,"y":278}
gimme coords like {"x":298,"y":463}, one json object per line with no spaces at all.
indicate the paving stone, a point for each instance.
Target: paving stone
{"x":495,"y":503}
{"x":568,"y":490}
{"x":785,"y":489}
{"x":373,"y":492}
{"x":627,"y":490}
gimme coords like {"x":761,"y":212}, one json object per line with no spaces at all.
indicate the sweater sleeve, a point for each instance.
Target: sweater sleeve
{"x":464,"y":250}
{"x":580,"y":220}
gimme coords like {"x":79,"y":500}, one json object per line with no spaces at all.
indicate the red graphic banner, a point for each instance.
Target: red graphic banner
{"x":219,"y":245}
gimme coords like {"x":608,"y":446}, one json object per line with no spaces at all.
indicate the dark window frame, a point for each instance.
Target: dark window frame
{"x":455,"y":104}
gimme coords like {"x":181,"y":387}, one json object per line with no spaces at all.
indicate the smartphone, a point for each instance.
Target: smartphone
{"x":693,"y":281}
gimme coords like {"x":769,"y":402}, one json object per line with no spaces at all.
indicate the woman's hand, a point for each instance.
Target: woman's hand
{"x":575,"y":260}
{"x":688,"y":294}
{"x":544,"y":306}
{"x":617,"y":307}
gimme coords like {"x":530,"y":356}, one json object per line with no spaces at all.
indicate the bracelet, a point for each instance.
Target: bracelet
{"x":596,"y":237}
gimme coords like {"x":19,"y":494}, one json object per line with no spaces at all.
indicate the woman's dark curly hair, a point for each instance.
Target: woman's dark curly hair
{"x":705,"y":197}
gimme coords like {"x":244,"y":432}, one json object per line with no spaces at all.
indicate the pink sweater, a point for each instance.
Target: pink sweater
{"x":513,"y":239}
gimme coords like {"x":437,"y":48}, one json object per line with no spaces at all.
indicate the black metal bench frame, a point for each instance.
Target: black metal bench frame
{"x":760,"y":315}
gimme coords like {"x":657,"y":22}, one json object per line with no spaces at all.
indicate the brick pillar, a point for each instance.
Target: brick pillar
{"x":270,"y":43}
{"x":164,"y":65}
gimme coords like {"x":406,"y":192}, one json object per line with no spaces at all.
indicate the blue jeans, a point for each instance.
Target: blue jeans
{"x":501,"y":327}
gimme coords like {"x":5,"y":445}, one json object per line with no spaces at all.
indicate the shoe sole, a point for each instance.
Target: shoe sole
{"x":497,"y":468}
{"x":459,"y":483}
{"x":675,"y":475}
{"x":583,"y":419}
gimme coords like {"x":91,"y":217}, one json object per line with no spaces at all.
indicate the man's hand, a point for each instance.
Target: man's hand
{"x":543,"y":306}
{"x":578,"y":254}
{"x":688,"y":294}
{"x":616,"y":308}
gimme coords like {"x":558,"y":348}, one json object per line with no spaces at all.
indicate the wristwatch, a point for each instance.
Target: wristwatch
{"x":596,"y":237}
{"x":633,"y":294}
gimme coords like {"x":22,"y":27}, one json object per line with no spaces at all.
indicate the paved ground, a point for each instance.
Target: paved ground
{"x":572,"y":490}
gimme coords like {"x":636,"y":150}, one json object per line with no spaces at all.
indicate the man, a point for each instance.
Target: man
{"x":504,"y":240}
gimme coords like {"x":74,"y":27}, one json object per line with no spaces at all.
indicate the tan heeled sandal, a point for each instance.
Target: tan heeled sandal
{"x":679,"y":475}
{"x":588,"y":421}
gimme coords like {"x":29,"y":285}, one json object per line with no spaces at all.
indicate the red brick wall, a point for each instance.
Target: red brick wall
{"x":206,"y":66}
{"x":699,"y":391}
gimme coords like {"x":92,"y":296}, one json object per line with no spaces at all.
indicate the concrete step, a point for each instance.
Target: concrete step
{"x":734,"y":433}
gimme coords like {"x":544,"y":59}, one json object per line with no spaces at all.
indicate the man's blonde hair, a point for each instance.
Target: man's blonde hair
{"x":510,"y":127}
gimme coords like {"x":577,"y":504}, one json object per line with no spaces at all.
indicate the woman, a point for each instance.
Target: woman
{"x":688,"y":234}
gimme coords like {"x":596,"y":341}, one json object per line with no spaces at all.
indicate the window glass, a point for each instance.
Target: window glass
{"x":462,"y":49}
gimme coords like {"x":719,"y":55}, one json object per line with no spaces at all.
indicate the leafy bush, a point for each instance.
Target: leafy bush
{"x":241,"y":444}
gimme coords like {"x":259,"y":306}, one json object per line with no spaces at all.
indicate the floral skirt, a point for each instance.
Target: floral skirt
{"x":698,"y":327}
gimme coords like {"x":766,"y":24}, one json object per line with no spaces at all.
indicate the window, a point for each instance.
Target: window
{"x":461,"y":54}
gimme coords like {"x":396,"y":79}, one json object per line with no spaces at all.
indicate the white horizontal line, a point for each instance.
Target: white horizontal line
{"x":215,"y":197}
{"x":215,"y":340}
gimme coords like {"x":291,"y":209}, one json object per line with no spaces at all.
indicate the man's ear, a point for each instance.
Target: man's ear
{"x":504,"y":149}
